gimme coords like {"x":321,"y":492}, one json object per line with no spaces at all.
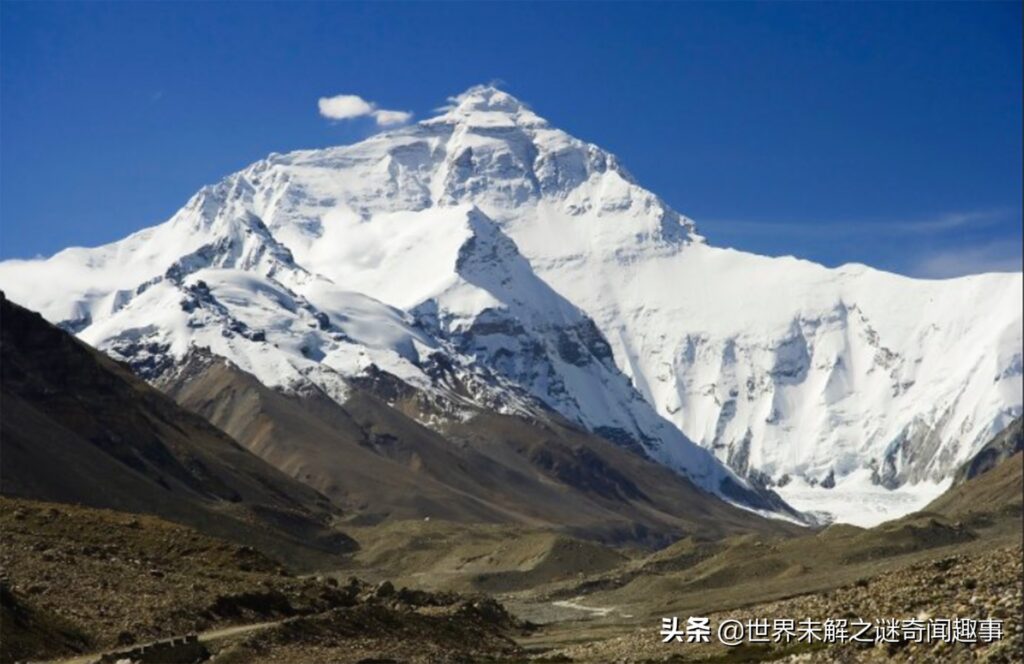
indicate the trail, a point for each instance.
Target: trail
{"x":209,"y":636}
{"x":596,"y":610}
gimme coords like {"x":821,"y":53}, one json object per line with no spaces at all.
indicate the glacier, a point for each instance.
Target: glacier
{"x":535,"y":266}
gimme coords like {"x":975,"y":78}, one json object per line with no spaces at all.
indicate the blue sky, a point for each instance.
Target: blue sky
{"x":887,"y":134}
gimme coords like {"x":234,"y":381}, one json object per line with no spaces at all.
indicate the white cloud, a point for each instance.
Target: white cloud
{"x":344,"y":107}
{"x":387,"y":118}
{"x":977,"y":259}
{"x":348,"y":107}
{"x":942,"y":246}
{"x":834,"y":228}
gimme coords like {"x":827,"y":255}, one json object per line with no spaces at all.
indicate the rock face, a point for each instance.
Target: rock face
{"x":1008,"y":443}
{"x":485,"y":257}
{"x":990,"y":483}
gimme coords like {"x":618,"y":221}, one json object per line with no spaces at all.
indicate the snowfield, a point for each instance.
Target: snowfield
{"x":535,"y":263}
{"x":857,"y":500}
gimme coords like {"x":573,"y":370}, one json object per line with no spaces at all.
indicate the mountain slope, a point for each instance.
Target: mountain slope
{"x":493,"y":468}
{"x":991,"y":485}
{"x":79,"y":428}
{"x":542,"y":273}
{"x":1006,"y":444}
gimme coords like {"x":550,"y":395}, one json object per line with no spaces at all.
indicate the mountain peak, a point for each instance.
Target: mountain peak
{"x":487,"y":104}
{"x":488,"y":98}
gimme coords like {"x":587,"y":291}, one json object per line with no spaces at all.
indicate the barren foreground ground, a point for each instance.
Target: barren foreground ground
{"x":79,"y":581}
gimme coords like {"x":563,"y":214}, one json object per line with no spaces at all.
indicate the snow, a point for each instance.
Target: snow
{"x":858,"y":501}
{"x":869,"y":355}
{"x":536,"y":263}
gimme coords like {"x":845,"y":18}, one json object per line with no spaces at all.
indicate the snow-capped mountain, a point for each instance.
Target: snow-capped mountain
{"x":487,"y":245}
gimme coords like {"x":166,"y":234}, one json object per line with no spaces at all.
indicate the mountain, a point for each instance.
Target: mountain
{"x":991,"y":485}
{"x":79,"y":428}
{"x":1006,"y":444}
{"x":380,"y":463}
{"x":490,"y":261}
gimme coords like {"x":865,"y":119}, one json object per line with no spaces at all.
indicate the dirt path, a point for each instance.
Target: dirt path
{"x":210,"y":636}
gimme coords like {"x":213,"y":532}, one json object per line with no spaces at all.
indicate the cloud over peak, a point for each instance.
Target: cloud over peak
{"x":387,"y":118}
{"x":348,"y":107}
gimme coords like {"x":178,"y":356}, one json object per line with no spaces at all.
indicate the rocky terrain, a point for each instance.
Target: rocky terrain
{"x":406,"y":627}
{"x":959,"y":558}
{"x":976,"y":585}
{"x":124,"y":578}
{"x":79,"y":580}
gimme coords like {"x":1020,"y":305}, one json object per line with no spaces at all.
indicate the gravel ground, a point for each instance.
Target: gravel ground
{"x":984,"y":585}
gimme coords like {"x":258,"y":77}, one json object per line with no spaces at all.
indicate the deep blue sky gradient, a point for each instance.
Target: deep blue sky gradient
{"x":884,"y":133}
